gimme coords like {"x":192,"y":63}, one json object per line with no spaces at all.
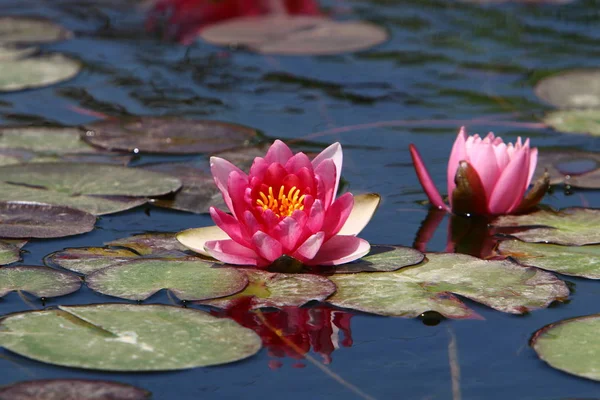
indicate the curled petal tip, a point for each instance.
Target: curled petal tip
{"x":425,"y":179}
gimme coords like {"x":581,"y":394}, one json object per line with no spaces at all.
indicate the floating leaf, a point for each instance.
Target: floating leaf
{"x":127,"y":337}
{"x":8,"y":52}
{"x":570,"y":226}
{"x":39,"y":281}
{"x":295,"y":35}
{"x":72,"y":389}
{"x":571,"y":89}
{"x":17,"y":29}
{"x":574,"y":121}
{"x":9,"y":253}
{"x":382,"y":259}
{"x":153,"y":244}
{"x":31,"y":73}
{"x":582,"y":261}
{"x":188,"y":279}
{"x":43,"y":139}
{"x":411,"y":291}
{"x":268,"y":289}
{"x":572,"y":167}
{"x":167,"y":135}
{"x":571,"y":345}
{"x":38,"y":220}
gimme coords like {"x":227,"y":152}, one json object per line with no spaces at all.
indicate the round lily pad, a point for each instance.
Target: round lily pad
{"x":86,"y":260}
{"x":188,"y":279}
{"x":571,"y":226}
{"x":9,"y":52}
{"x":42,"y":139}
{"x":37,"y":220}
{"x":39,"y":281}
{"x":573,"y":167}
{"x":268,"y":289}
{"x":72,"y":389}
{"x":17,"y":29}
{"x":36,"y":72}
{"x":9,"y":253}
{"x":574,"y":121}
{"x":411,"y":291}
{"x":157,"y":244}
{"x":571,"y":89}
{"x":382,"y":258}
{"x":167,"y":135}
{"x":582,"y":261}
{"x":127,"y":337}
{"x":295,"y":35}
{"x":571,"y":345}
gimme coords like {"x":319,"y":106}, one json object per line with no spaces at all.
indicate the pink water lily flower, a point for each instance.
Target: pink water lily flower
{"x":486,"y":176}
{"x":286,"y":205}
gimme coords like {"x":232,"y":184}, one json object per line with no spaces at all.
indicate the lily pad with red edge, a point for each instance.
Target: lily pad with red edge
{"x":572,"y":167}
{"x":295,"y":35}
{"x":432,"y":286}
{"x":381,"y":258}
{"x":268,"y":289}
{"x":581,"y":261}
{"x":37,"y":72}
{"x":72,"y":389}
{"x":571,"y":89}
{"x":570,"y":226}
{"x":9,"y":253}
{"x":30,"y":30}
{"x":189,"y":279}
{"x":167,"y":135}
{"x":574,"y":121}
{"x":39,"y":281}
{"x":127,"y":337}
{"x":38,"y":220}
{"x":571,"y":346}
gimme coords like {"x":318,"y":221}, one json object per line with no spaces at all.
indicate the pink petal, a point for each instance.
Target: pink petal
{"x":340,"y":250}
{"x":259,"y":168}
{"x":502,"y":158}
{"x":511,"y":185}
{"x":337,"y":215}
{"x":432,"y":193}
{"x":279,"y":152}
{"x":309,"y":249}
{"x":533,"y":157}
{"x":287,"y":232}
{"x":297,"y":162}
{"x":236,"y":187}
{"x":483,"y":158}
{"x":221,"y":169}
{"x":458,"y":153}
{"x":335,"y":154}
{"x":316,"y":217}
{"x":251,"y":223}
{"x":266,"y":246}
{"x":230,"y":225}
{"x":326,"y":173}
{"x":234,"y":253}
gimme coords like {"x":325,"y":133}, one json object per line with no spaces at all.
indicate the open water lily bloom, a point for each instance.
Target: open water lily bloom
{"x":486,"y":176}
{"x":286,"y":205}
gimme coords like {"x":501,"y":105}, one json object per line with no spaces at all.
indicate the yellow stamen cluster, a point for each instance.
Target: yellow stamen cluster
{"x":284,"y":204}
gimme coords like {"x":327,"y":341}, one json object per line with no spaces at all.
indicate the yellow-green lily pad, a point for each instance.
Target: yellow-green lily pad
{"x":39,"y":281}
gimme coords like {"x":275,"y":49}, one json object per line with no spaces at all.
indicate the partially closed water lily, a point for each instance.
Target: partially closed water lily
{"x":286,"y":205}
{"x":486,"y":176}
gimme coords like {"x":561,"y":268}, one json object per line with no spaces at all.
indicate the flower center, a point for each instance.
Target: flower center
{"x":284,"y":204}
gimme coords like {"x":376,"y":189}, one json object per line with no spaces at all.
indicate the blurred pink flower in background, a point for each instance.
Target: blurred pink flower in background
{"x":183,"y":19}
{"x":286,"y":205}
{"x":485,"y":176}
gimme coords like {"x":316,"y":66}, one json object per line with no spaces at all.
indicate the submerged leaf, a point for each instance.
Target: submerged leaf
{"x":39,"y":281}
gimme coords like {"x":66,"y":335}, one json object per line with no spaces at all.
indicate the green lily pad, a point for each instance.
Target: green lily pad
{"x":39,"y":281}
{"x":411,"y":291}
{"x":167,"y":135}
{"x":570,"y":226}
{"x":127,"y":337}
{"x":72,"y":389}
{"x":582,"y":261}
{"x":38,"y":220}
{"x":17,"y":29}
{"x":36,"y":72}
{"x":574,"y":121}
{"x":43,"y":139}
{"x":9,"y":253}
{"x":189,"y":279}
{"x":158,"y":244}
{"x":382,"y":259}
{"x":268,"y":289}
{"x":10,"y":52}
{"x":571,"y":345}
{"x":295,"y":35}
{"x":571,"y":89}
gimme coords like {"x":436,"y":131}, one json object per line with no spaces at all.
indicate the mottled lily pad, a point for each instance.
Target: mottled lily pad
{"x":9,"y":253}
{"x":39,"y":281}
{"x":167,"y":135}
{"x":127,"y":337}
{"x":158,"y":244}
{"x":17,"y":29}
{"x":573,"y":167}
{"x":295,"y":35}
{"x":582,"y":261}
{"x":38,"y":220}
{"x":571,"y":345}
{"x":35,"y":72}
{"x":411,"y":291}
{"x":189,"y":279}
{"x":574,"y":121}
{"x":571,"y":89}
{"x":571,"y":226}
{"x":72,"y":389}
{"x":268,"y":289}
{"x":382,"y":259}
{"x":42,"y":139}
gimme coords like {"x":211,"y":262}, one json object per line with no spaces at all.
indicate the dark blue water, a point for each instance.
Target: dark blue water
{"x":447,"y":63}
